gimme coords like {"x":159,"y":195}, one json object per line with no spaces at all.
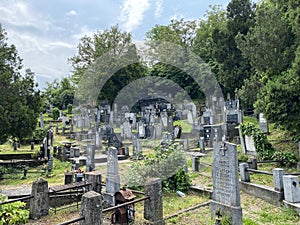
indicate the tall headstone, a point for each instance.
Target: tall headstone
{"x":42,"y":121}
{"x":136,"y":148}
{"x":98,"y":140}
{"x":141,"y":130}
{"x":112,"y":178}
{"x":190,"y":117}
{"x":90,"y":158}
{"x":226,"y":191}
{"x":153,"y":207}
{"x":263,"y":124}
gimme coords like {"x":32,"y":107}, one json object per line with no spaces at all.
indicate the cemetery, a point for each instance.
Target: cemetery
{"x":86,"y":162}
{"x":197,"y":124}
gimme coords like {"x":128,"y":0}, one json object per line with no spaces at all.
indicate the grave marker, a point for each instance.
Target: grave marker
{"x":226,"y":191}
{"x":112,"y":178}
{"x":263,"y":124}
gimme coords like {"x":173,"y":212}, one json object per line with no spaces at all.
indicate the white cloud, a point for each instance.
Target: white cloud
{"x":36,"y":38}
{"x":84,"y":31}
{"x":158,"y":8}
{"x":132,"y":13}
{"x":72,"y":13}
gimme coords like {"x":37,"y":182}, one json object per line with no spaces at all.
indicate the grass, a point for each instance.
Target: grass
{"x":255,"y":211}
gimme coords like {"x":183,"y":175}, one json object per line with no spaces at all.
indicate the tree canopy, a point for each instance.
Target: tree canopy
{"x":20,"y":100}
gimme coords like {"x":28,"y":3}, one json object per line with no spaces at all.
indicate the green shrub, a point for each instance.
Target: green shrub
{"x":286,"y":158}
{"x":166,"y":163}
{"x":13,"y":213}
{"x":262,"y":145}
{"x":243,"y":157}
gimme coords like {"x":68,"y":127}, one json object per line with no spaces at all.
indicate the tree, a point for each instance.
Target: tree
{"x":203,"y":44}
{"x":269,"y":44}
{"x":59,"y":94}
{"x":113,"y":44}
{"x":179,"y":33}
{"x":20,"y":101}
{"x":233,"y":68}
{"x":272,"y":46}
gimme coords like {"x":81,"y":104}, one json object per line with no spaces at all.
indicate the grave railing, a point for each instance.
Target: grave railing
{"x":16,"y":200}
{"x":91,"y":210}
{"x":79,"y":187}
{"x":110,"y":208}
{"x":273,"y":195}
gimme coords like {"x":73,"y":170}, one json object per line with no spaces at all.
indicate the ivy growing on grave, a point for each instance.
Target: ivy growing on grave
{"x":262,"y":145}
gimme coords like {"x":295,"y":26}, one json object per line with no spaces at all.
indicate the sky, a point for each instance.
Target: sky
{"x":47,"y":32}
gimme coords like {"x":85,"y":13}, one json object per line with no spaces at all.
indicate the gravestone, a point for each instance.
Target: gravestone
{"x":164,"y":119}
{"x":39,"y":204}
{"x":127,"y":129}
{"x":90,"y":158}
{"x":250,"y":146}
{"x":98,"y":140}
{"x":136,"y":148}
{"x":42,"y":121}
{"x":158,"y":131}
{"x":170,"y":126}
{"x":263,"y":124}
{"x":141,"y":130}
{"x":226,"y":191}
{"x":112,"y":178}
{"x":190,"y":117}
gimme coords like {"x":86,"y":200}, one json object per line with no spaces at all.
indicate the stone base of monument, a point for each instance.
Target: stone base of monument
{"x":109,"y":199}
{"x":235,"y":213}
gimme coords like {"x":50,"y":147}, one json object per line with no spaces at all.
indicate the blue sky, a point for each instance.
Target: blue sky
{"x":47,"y":32}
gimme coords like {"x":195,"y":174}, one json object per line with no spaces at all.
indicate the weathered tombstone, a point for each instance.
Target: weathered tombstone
{"x":95,"y":178}
{"x":164,"y":119}
{"x":153,"y":207}
{"x":68,"y":178}
{"x":136,"y":148}
{"x":91,"y":209}
{"x":158,"y":130}
{"x":112,"y":178}
{"x":201,"y":144}
{"x":190,"y":117}
{"x":98,"y":140}
{"x":250,"y":147}
{"x":186,"y":144}
{"x":278,"y":174}
{"x":226,"y":190}
{"x":50,"y":164}
{"x":141,"y":130}
{"x":39,"y":204}
{"x":291,"y":188}
{"x":42,"y":121}
{"x":263,"y":124}
{"x":170,"y":126}
{"x":127,"y":129}
{"x":90,"y":158}
{"x":196,"y":164}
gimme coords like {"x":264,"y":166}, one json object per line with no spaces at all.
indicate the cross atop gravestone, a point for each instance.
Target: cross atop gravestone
{"x":226,"y":190}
